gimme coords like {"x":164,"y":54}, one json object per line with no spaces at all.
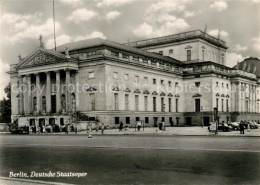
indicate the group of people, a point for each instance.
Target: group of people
{"x":101,"y":127}
{"x":242,"y":126}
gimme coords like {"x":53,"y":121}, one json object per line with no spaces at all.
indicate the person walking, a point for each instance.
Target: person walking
{"x":102,"y":128}
{"x":139,"y":124}
{"x":121,"y":126}
{"x":241,"y":127}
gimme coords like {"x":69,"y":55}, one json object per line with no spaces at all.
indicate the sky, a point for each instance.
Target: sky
{"x":22,"y":21}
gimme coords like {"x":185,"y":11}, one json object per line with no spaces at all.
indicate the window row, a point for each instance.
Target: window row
{"x":146,"y":103}
{"x":146,"y":120}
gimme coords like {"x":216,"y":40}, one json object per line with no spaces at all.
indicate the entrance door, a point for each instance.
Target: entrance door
{"x":41,"y":124}
{"x":32,"y":122}
{"x":188,"y":121}
{"x":53,"y":103}
{"x":206,"y":121}
{"x":197,"y":105}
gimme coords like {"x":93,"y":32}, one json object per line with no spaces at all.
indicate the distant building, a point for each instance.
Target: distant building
{"x":177,"y":79}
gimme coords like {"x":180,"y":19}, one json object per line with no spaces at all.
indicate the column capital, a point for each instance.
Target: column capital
{"x":57,"y":71}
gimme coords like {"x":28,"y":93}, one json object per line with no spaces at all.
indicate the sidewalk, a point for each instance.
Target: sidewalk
{"x":178,"y":131}
{"x":181,"y":131}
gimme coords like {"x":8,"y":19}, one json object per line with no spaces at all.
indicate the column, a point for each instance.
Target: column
{"x":29,"y":94}
{"x":48,"y":92}
{"x":25,"y":95}
{"x":58,"y":90}
{"x":38,"y":95}
{"x":67,"y":90}
{"x":77,"y":90}
{"x":21,"y":108}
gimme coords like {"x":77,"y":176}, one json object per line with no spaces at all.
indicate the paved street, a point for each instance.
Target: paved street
{"x":134,"y":159}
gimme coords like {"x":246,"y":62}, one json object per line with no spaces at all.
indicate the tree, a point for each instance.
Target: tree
{"x":5,"y":106}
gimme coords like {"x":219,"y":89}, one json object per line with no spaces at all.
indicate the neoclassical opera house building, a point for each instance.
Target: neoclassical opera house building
{"x":177,"y":79}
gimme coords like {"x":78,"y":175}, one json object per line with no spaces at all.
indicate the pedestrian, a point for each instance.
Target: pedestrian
{"x":160,"y":126}
{"x":139,"y":125}
{"x":76,"y":129}
{"x":102,"y":128}
{"x":241,"y":127}
{"x":97,"y":127}
{"x":121,"y":126}
{"x":90,"y":127}
{"x":163,"y":126}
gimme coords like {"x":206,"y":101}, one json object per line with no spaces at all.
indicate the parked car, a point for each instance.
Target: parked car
{"x":252,"y":125}
{"x":224,"y":127}
{"x":234,"y":125}
{"x":20,"y":130}
{"x":255,"y":124}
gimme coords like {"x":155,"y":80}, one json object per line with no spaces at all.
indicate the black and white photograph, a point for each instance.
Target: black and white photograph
{"x":131,"y":92}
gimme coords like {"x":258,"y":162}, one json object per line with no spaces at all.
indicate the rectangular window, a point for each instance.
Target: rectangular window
{"x":91,"y":75}
{"x":197,"y":105}
{"x":136,"y":102}
{"x":227,"y":86}
{"x":162,"y":105}
{"x":176,"y":84}
{"x":169,"y":83}
{"x":126,"y":101}
{"x":137,"y":79}
{"x":92,"y":101}
{"x":222,"y":60}
{"x":170,"y":51}
{"x":146,"y":80}
{"x":217,"y":103}
{"x":217,"y":84}
{"x":222,"y":85}
{"x":115,"y":75}
{"x":146,"y":119}
{"x":163,"y":119}
{"x":116,"y":101}
{"x":227,"y":105}
{"x":154,"y":104}
{"x":161,"y":52}
{"x":127,"y":120}
{"x":126,"y":77}
{"x":222,"y":105}
{"x":137,"y":118}
{"x":154,"y":81}
{"x":170,"y":120}
{"x":188,"y":55}
{"x":116,"y":120}
{"x":145,"y":103}
{"x":203,"y":55}
{"x":170,"y":104}
{"x":177,"y":104}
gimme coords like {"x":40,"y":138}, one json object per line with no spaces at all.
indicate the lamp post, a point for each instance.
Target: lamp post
{"x":201,"y":109}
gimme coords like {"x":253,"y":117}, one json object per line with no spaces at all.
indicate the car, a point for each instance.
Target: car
{"x":20,"y":130}
{"x":224,"y":127}
{"x":234,"y":125}
{"x":252,"y":125}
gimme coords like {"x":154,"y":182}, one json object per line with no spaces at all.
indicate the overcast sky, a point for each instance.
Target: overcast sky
{"x":22,"y":21}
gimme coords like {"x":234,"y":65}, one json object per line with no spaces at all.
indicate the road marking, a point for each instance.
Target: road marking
{"x":129,"y":147}
{"x":32,"y":181}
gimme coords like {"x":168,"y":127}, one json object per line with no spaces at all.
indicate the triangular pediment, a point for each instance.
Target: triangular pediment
{"x":41,"y":57}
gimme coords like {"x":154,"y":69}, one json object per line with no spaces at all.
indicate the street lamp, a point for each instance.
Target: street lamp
{"x":201,"y":109}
